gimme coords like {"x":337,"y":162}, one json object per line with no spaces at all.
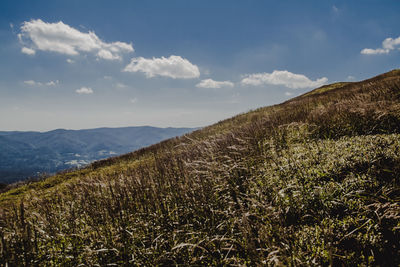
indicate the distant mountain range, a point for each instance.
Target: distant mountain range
{"x":31,"y":154}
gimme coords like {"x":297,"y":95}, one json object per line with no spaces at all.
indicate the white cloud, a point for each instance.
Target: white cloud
{"x":106,"y":77}
{"x":70,"y":61}
{"x":288,"y":93}
{"x":350,"y":78}
{"x":133,"y":100}
{"x":369,"y":51}
{"x":210,"y":83}
{"x":282,"y":77}
{"x":85,"y":90}
{"x":32,"y":82}
{"x":35,"y":83}
{"x":388,"y":45}
{"x":174,"y":67}
{"x":61,"y":38}
{"x":28,"y":51}
{"x":52,"y":83}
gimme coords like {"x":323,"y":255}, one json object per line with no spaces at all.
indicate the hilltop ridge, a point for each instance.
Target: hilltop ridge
{"x":311,"y":181}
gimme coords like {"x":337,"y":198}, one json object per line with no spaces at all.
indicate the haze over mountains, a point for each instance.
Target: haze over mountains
{"x":29,"y":154}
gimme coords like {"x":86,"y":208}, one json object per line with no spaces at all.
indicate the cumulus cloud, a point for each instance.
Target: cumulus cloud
{"x":210,"y":83}
{"x":84,"y":90}
{"x":174,"y":67}
{"x":70,"y":61}
{"x":388,"y":45}
{"x":35,"y":83}
{"x":282,"y":77}
{"x":62,"y":38}
{"x":28,"y":51}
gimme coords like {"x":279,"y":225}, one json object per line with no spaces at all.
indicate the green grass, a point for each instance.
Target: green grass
{"x":327,"y":88}
{"x":312,"y":181}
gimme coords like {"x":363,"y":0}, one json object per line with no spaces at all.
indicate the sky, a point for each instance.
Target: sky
{"x":85,"y":64}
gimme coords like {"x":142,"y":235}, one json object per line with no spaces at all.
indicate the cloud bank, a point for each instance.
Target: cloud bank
{"x":61,"y":38}
{"x":174,"y":67}
{"x":388,"y":45}
{"x":282,"y":77}
{"x":210,"y":83}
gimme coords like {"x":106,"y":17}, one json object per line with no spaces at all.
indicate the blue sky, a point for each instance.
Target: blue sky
{"x":85,"y":64}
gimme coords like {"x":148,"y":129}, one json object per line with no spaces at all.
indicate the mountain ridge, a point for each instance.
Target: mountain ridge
{"x":30,"y":154}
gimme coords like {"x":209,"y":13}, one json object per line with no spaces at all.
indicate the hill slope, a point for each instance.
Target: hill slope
{"x":312,"y":181}
{"x":28,"y":154}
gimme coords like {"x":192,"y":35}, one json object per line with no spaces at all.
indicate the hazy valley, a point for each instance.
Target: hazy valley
{"x":34,"y":154}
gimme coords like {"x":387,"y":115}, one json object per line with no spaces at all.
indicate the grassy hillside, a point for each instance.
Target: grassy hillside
{"x":312,"y":181}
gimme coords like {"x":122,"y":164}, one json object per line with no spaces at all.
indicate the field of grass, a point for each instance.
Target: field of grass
{"x":312,"y":181}
{"x":327,"y":88}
